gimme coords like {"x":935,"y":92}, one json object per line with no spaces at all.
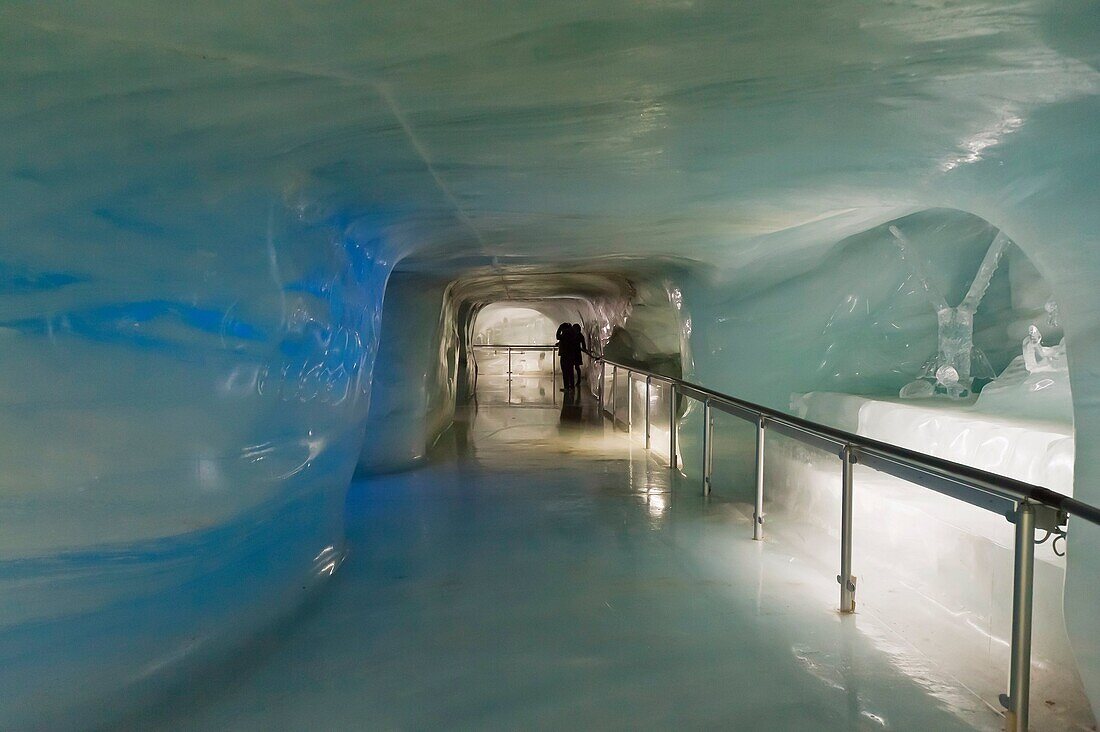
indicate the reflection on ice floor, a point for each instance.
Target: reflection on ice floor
{"x":540,"y":572}
{"x":518,"y":390}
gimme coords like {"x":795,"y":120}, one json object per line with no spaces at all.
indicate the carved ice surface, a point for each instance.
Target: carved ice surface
{"x":201,"y":207}
{"x":1035,"y":385}
{"x":174,"y":462}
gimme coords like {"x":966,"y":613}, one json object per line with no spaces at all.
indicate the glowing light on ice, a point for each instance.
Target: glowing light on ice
{"x":974,"y":146}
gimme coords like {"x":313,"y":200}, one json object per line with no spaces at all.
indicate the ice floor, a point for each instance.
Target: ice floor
{"x":539,"y":572}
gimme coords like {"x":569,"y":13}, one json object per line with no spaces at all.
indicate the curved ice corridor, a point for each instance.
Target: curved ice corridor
{"x":265,"y":465}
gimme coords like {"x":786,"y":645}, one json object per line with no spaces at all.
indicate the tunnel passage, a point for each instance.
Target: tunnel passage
{"x":881,"y":356}
{"x":242,"y":251}
{"x":815,"y":335}
{"x":951,"y":315}
{"x":503,"y":323}
{"x":513,"y":355}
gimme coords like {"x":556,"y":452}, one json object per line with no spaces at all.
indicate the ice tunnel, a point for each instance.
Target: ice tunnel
{"x":286,"y":436}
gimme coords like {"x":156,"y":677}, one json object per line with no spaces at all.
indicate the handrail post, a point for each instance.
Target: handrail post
{"x":629,"y":402}
{"x":509,"y":363}
{"x":603,"y":375}
{"x":672,"y":459}
{"x":708,"y":445}
{"x":845,"y":578}
{"x":758,"y":510}
{"x":1023,"y":587}
{"x":648,"y":382}
{"x":554,"y":367}
{"x":614,"y":397}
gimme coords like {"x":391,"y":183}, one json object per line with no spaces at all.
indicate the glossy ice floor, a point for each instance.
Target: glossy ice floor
{"x":539,"y":572}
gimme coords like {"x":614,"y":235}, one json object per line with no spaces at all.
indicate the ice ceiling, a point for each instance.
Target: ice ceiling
{"x":202,"y":204}
{"x":689,"y":127}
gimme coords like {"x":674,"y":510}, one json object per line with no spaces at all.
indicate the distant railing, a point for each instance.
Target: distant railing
{"x":511,"y":348}
{"x":1029,"y":507}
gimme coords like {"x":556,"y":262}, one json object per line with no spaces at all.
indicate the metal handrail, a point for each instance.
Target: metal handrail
{"x":514,"y":347}
{"x":965,"y":475}
{"x":1028,"y":506}
{"x":553,"y":348}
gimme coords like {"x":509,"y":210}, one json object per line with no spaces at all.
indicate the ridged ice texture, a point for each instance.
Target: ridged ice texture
{"x":176,"y":442}
{"x":148,"y":149}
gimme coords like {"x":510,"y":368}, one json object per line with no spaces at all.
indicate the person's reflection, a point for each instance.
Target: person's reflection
{"x":461,"y":428}
{"x":571,"y":412}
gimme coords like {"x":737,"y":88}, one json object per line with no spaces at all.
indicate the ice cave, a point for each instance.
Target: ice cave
{"x":288,"y":435}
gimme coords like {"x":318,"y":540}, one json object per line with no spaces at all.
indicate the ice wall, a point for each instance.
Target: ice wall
{"x":415,"y":374}
{"x":857,"y":316}
{"x":650,"y":335}
{"x":178,"y":431}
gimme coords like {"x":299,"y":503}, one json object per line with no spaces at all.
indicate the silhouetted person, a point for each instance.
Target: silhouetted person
{"x":567,"y":354}
{"x":581,"y":347}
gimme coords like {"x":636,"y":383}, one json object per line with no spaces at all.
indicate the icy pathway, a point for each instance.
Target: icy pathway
{"x":538,"y":574}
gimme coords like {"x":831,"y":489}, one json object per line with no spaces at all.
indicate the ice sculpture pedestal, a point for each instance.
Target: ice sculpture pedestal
{"x":1032,"y":450}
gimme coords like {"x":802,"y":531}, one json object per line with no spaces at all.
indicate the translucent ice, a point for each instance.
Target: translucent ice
{"x":201,"y":208}
{"x":948,"y":371}
{"x":1038,"y":357}
{"x":1035,"y":385}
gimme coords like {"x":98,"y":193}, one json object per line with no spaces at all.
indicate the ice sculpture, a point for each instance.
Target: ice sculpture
{"x":1035,"y":385}
{"x":950,"y":371}
{"x":1037,"y":357}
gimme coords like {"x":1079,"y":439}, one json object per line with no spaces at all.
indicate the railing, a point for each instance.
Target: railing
{"x":510,"y":349}
{"x":1029,"y":507}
